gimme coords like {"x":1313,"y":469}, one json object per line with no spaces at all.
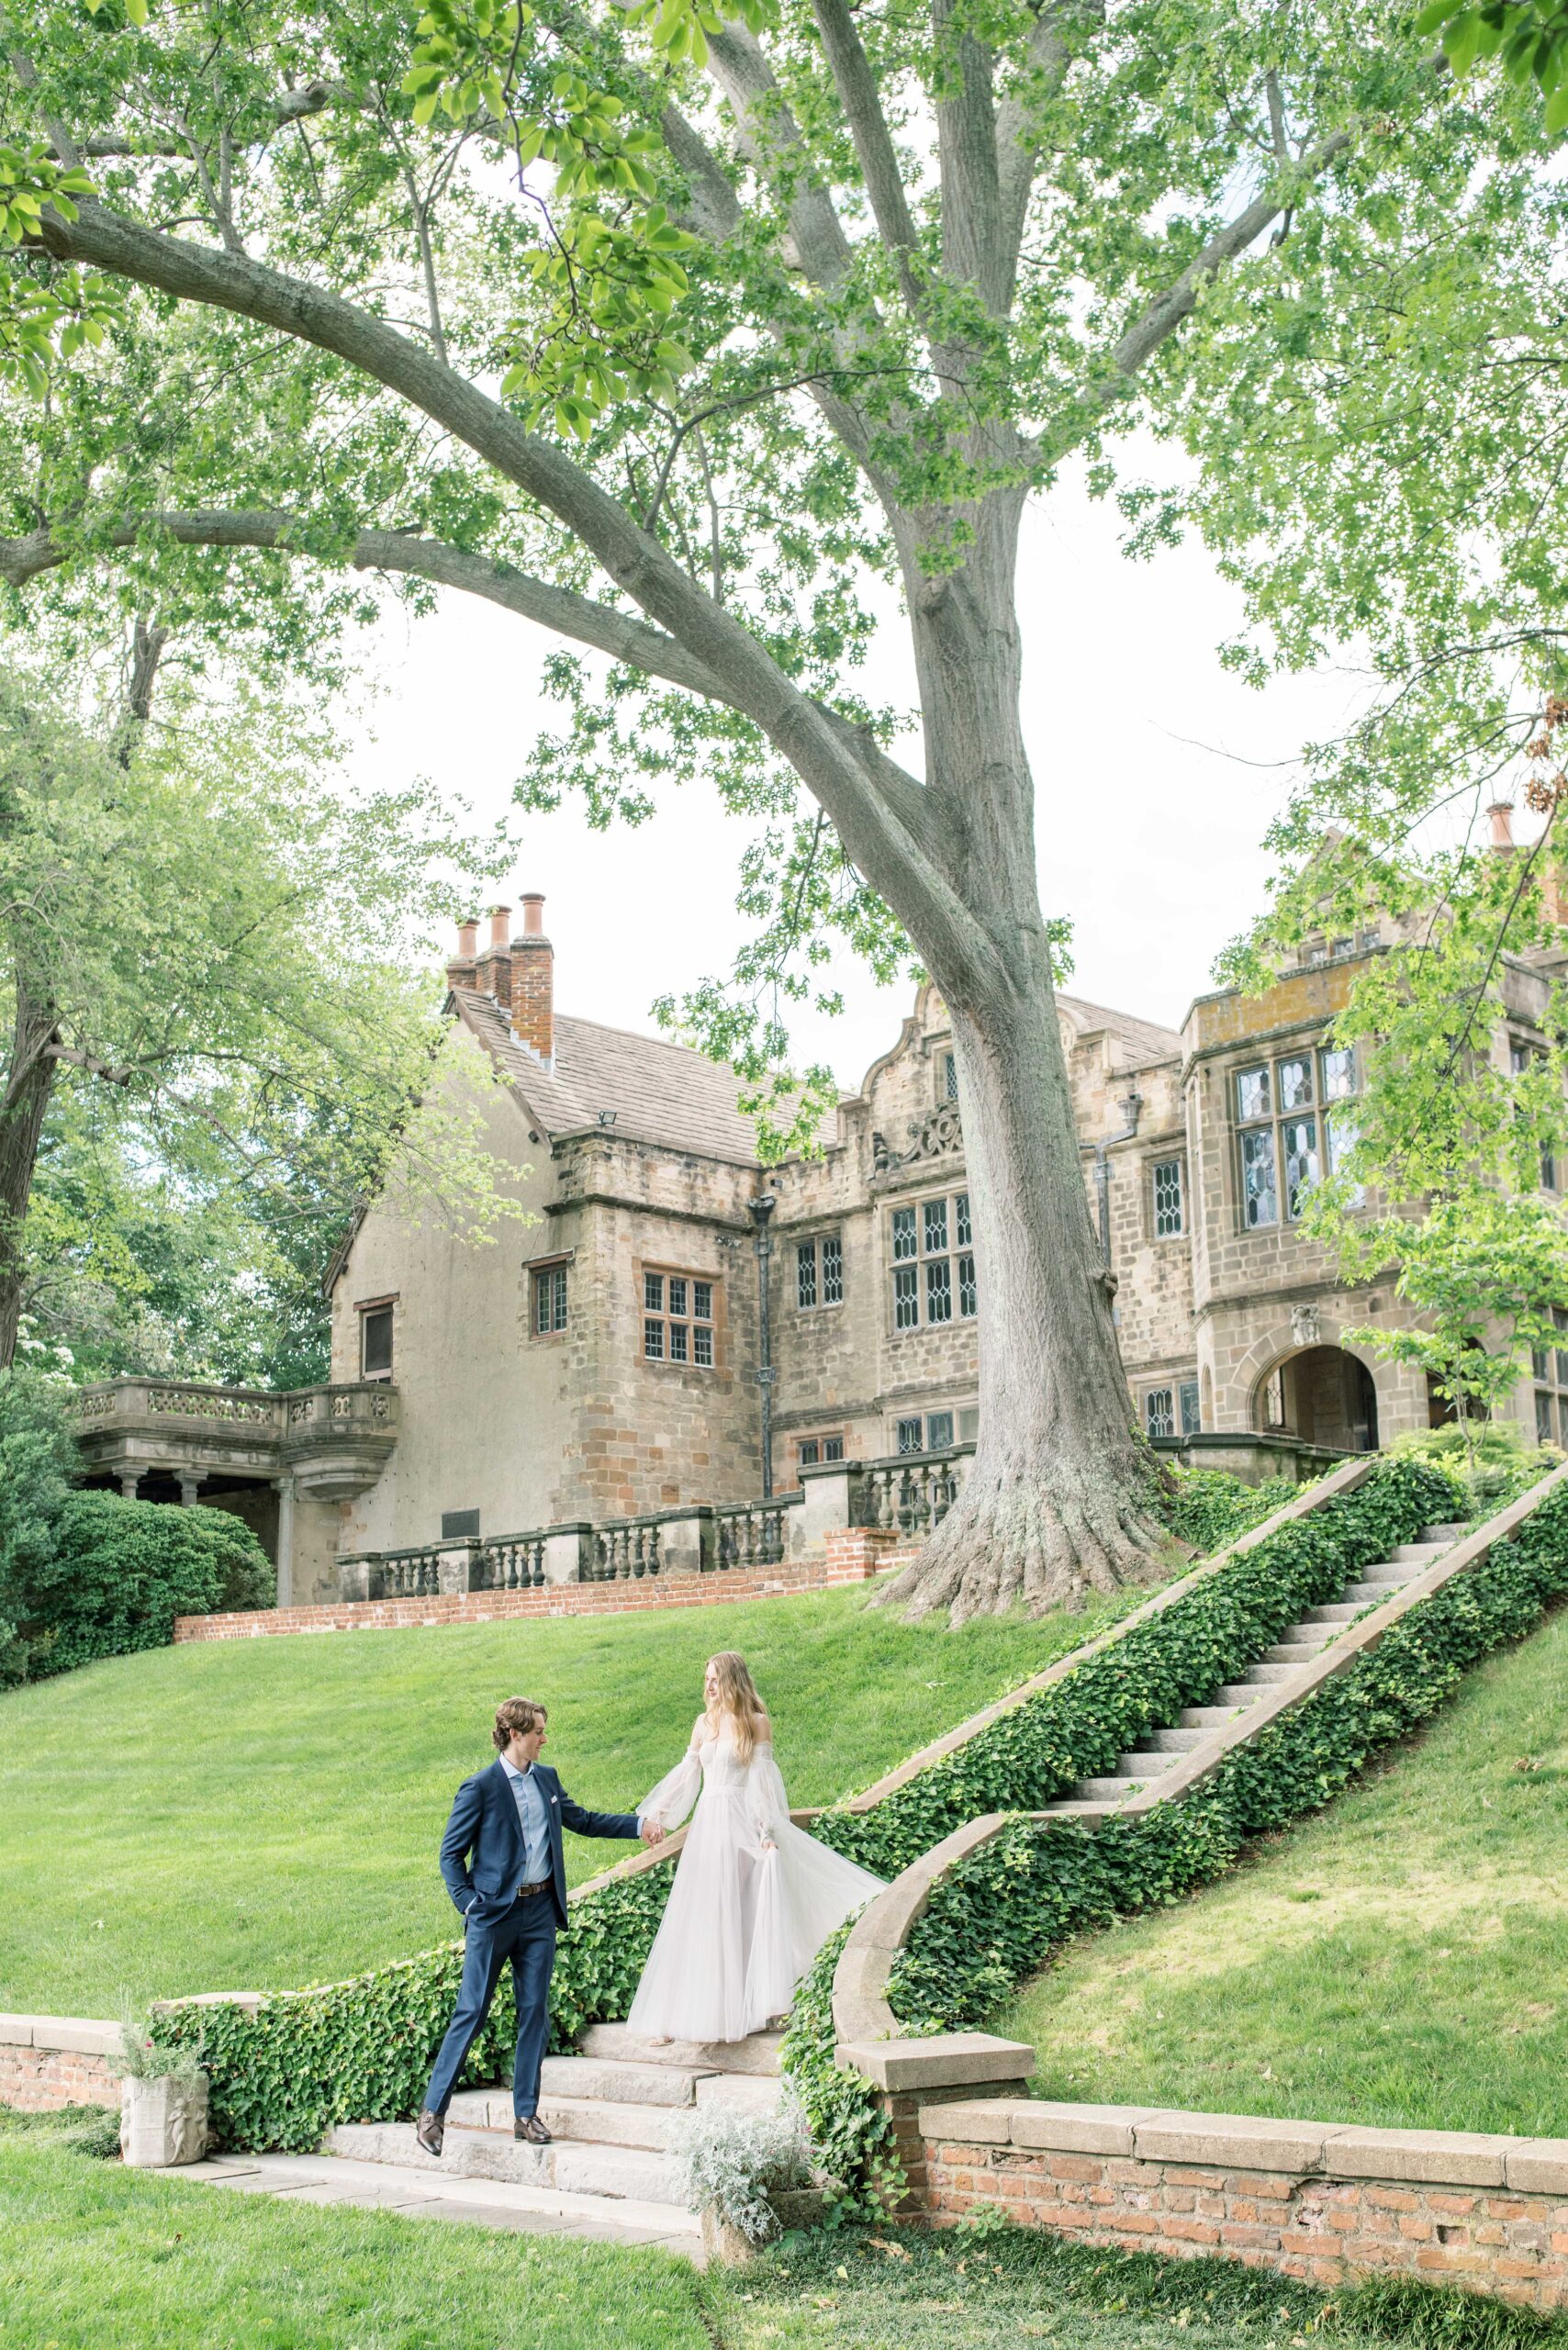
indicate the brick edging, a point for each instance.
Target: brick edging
{"x":1320,"y":2200}
{"x":840,"y":1563}
{"x":47,"y":2062}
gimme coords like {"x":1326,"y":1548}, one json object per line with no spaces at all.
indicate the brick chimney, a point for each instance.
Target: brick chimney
{"x":493,"y":974}
{"x":460,"y":972}
{"x":1501,"y":814}
{"x":533,"y":980}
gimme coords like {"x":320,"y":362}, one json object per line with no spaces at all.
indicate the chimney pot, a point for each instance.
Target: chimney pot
{"x":501,"y":929}
{"x":533,"y":914}
{"x":468,"y":940}
{"x":1501,"y":814}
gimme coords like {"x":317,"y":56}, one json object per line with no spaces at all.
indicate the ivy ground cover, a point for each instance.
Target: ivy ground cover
{"x":264,"y":1814}
{"x":1400,"y":1960}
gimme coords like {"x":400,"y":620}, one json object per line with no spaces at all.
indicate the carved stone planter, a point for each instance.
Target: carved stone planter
{"x":163,"y":2124}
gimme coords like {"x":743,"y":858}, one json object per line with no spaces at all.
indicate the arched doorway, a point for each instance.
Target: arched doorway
{"x":1324,"y":1396}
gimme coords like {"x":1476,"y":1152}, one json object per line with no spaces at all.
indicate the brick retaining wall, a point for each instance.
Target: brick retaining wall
{"x":848,"y":1556}
{"x":1312,"y":2199}
{"x":50,"y":2061}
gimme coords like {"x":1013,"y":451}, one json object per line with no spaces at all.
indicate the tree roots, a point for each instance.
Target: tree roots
{"x":1041,"y":1543}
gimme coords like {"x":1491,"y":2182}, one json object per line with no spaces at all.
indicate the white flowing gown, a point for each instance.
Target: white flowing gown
{"x":742,"y":1924}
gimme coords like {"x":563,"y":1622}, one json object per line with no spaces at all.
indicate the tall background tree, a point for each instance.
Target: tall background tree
{"x":678,"y":334}
{"x":208,"y":969}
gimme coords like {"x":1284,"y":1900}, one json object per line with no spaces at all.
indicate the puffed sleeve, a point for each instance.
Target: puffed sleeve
{"x":767,"y":1805}
{"x":667,"y":1804}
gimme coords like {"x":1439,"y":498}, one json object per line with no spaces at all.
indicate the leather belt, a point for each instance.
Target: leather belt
{"x":530,"y":1892}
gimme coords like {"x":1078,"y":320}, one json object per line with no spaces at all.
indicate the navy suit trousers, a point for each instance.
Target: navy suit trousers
{"x":526,"y":1934}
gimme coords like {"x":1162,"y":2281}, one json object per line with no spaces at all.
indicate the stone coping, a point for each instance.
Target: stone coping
{"x":81,"y":2035}
{"x":1247,"y":2142}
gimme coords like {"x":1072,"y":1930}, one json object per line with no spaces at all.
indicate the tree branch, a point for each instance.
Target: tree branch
{"x":1160,"y":320}
{"x":1017,"y":150}
{"x":856,"y":86}
{"x":972,"y":245}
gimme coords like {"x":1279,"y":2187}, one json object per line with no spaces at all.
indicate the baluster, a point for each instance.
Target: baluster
{"x":536,"y":1563}
{"x":656,"y":1549}
{"x":887,"y":1500}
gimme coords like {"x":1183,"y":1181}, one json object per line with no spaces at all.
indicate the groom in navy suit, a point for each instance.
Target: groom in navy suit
{"x":502,"y":1863}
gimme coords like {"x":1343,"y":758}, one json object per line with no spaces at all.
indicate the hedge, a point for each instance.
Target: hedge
{"x":116,"y":1574}
{"x":994,"y":1917}
{"x":363,"y":2050}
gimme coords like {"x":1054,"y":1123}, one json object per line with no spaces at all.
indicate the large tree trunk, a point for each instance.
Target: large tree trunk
{"x":23,"y":1104}
{"x":1061,"y":1493}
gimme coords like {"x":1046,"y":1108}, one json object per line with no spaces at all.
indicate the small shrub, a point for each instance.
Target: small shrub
{"x":1499,"y":1466}
{"x":115,"y":1573}
{"x":144,"y":2056}
{"x":734,"y":2161}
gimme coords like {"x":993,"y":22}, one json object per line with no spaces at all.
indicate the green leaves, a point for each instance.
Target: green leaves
{"x":606,"y":291}
{"x":1529,"y":36}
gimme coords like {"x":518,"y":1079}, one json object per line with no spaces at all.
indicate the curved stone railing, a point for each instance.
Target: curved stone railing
{"x":864,"y":2020}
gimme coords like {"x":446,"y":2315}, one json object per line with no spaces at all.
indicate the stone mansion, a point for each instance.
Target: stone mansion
{"x":601,"y":1359}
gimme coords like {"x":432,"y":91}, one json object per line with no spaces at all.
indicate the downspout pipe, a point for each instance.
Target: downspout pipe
{"x":760,"y":1208}
{"x":1132,"y":1105}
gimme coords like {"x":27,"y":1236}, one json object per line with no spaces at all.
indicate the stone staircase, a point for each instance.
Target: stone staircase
{"x":610,"y":2109}
{"x":1200,"y":1725}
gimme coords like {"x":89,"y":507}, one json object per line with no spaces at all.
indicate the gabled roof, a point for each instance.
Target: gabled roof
{"x":659,"y":1092}
{"x":1142,"y":1042}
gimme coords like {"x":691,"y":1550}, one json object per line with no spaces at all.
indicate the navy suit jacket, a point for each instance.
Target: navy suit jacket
{"x":482,"y":1850}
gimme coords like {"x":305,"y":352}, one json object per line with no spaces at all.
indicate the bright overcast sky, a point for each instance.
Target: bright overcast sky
{"x":1156,"y":777}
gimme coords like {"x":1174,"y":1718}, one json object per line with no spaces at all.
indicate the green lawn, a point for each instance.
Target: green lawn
{"x":1401,"y":1960}
{"x":264,"y":1814}
{"x":96,"y":2257}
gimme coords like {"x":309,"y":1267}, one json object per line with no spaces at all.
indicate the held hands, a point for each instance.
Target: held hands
{"x":651,"y":1833}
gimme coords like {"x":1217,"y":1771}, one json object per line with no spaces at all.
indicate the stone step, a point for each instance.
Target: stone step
{"x":1420,"y":1554}
{"x":1300,"y":1651}
{"x":1176,"y":1741}
{"x":1453,"y":1530}
{"x":759,"y":2054}
{"x":1144,"y":1763}
{"x":619,"y":2082}
{"x":1107,"y":1790}
{"x":1207,"y":1717}
{"x":1391,"y":1574}
{"x":574,"y":2166}
{"x":748,"y":2092}
{"x":1269,"y":1676}
{"x":1343,"y":1611}
{"x":591,"y":2117}
{"x":1236,"y":1694}
{"x":425,"y":2194}
{"x":1367,"y":1592}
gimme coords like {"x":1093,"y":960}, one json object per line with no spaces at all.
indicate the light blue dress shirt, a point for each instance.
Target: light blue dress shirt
{"x":532,"y":1817}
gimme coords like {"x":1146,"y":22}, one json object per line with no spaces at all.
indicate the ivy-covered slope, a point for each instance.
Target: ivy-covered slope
{"x":994,"y":1916}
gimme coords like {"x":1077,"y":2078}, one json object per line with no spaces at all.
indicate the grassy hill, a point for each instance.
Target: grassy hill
{"x":264,"y":1814}
{"x":1400,"y":1960}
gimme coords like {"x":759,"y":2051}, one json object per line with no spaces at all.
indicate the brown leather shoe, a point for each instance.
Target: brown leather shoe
{"x":431,"y":2132}
{"x":533,"y":2131}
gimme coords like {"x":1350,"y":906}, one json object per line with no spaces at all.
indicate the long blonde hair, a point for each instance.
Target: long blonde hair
{"x":738,"y":1698}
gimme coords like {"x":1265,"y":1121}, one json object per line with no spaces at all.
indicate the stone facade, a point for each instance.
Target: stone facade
{"x":602,"y":1359}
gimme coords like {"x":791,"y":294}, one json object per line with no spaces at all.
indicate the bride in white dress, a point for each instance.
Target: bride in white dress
{"x":754,"y":1898}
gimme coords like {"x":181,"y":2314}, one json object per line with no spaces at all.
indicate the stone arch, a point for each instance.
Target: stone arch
{"x":1310,"y":1330}
{"x":1324,"y":1395}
